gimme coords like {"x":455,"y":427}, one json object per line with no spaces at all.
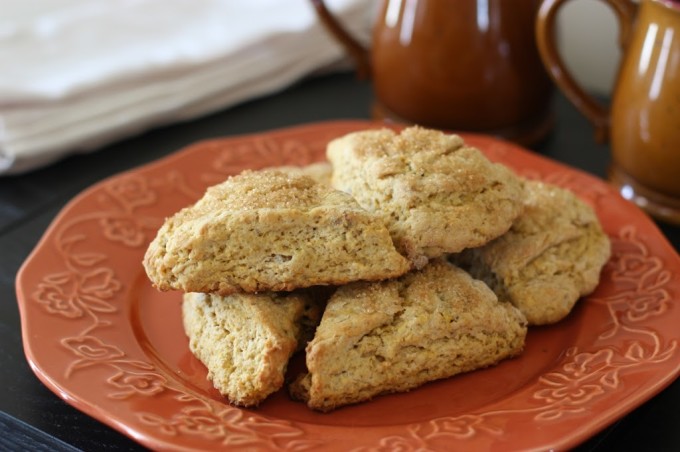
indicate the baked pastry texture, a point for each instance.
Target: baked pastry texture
{"x":269,"y":231}
{"x":552,"y":255}
{"x":392,"y":336}
{"x":246,"y":340}
{"x":436,"y":194}
{"x":319,"y":171}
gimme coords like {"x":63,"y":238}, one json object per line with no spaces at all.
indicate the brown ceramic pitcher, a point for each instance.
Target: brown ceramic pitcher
{"x":642,"y":123}
{"x":467,"y":65}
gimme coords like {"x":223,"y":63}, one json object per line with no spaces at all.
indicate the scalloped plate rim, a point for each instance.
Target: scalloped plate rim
{"x":595,"y":425}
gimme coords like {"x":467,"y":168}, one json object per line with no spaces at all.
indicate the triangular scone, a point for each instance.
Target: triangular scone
{"x":395,"y":335}
{"x":246,"y":340}
{"x":268,"y":231}
{"x":552,"y":255}
{"x":436,"y":194}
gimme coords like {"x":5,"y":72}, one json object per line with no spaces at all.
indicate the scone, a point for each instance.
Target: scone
{"x":392,"y":336}
{"x":436,"y":194}
{"x":268,"y":231}
{"x":552,"y":255}
{"x":246,"y":340}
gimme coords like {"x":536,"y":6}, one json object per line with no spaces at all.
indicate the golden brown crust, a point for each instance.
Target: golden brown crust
{"x":268,"y":231}
{"x":246,"y":340}
{"x":395,"y":335}
{"x":435,"y":194}
{"x":552,"y":255}
{"x":321,"y":172}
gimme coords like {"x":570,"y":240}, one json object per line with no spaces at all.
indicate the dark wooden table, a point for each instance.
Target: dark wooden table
{"x":33,"y":418}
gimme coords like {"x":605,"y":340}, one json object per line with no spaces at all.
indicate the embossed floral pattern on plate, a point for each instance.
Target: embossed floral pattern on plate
{"x":102,"y":338}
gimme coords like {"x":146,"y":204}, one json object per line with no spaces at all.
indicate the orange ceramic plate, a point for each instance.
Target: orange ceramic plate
{"x":104,"y":340}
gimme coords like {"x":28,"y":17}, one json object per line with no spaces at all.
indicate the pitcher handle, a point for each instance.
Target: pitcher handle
{"x":597,"y":113}
{"x":359,"y":53}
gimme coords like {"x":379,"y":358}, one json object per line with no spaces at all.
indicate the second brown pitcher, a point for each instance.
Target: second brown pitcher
{"x":642,"y":122}
{"x":466,"y":65}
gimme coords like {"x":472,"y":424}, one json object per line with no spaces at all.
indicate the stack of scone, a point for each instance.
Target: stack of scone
{"x":435,"y":261}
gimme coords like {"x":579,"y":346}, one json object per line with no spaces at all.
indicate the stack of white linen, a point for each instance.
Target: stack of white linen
{"x":78,"y":74}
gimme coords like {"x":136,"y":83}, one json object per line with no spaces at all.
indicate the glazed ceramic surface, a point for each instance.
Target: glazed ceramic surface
{"x":643,"y":121}
{"x":99,"y":336}
{"x":465,"y":65}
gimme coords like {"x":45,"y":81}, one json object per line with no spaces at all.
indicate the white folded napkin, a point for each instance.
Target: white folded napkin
{"x":78,"y":74}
